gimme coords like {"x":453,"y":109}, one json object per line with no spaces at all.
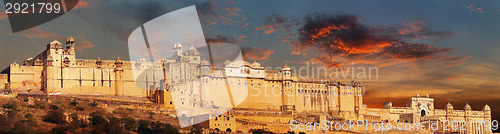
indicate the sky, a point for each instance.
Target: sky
{"x":446,"y":49}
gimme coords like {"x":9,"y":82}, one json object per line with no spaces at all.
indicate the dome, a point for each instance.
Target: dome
{"x":177,"y":45}
{"x":449,"y":106}
{"x":487,"y":108}
{"x":255,"y":64}
{"x":467,"y":107}
{"x":227,"y":62}
{"x":204,"y":62}
{"x":70,"y":39}
{"x":286,"y":67}
{"x":118,"y":59}
{"x":55,"y":42}
{"x":247,"y":64}
{"x":192,"y":48}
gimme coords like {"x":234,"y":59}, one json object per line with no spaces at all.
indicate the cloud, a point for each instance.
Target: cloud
{"x":222,"y":39}
{"x":256,"y":53}
{"x":474,"y":8}
{"x":82,"y":4}
{"x":82,"y":45}
{"x":338,"y":39}
{"x":137,"y":13}
{"x":417,"y":30}
{"x":3,"y":15}
{"x":275,"y":22}
{"x":219,"y":12}
{"x":36,"y":32}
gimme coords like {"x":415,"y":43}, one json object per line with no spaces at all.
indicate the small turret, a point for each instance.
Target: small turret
{"x":286,"y":67}
{"x":449,"y":106}
{"x":255,"y":64}
{"x":70,"y":40}
{"x":449,"y":109}
{"x":192,"y":48}
{"x":285,"y":72}
{"x":204,"y":62}
{"x":387,"y":105}
{"x":467,"y":107}
{"x":118,"y":62}
{"x":486,"y":108}
{"x":178,"y":49}
{"x":487,"y":112}
{"x":98,"y":62}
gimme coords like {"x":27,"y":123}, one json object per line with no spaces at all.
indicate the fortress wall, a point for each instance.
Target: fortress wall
{"x":25,"y":76}
{"x":268,"y":96}
{"x":346,"y":97}
{"x":90,"y":80}
{"x":314,"y":96}
{"x":3,"y":80}
{"x":215,"y":92}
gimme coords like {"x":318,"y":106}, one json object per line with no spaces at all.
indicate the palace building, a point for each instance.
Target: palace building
{"x":193,"y":82}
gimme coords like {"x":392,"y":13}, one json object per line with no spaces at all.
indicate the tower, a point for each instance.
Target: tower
{"x":286,"y":72}
{"x":165,"y":96}
{"x":178,"y":50}
{"x":54,"y":50}
{"x":449,"y":115}
{"x":193,"y":55}
{"x":70,"y":45}
{"x":69,"y":56}
{"x":358,"y":98}
{"x":468,"y":116}
{"x":98,"y":62}
{"x":118,"y":77}
{"x":287,"y":89}
{"x":52,"y":74}
{"x":487,"y":113}
{"x":205,"y":68}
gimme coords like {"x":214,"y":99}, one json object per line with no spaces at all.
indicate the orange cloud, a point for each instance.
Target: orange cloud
{"x":335,"y":40}
{"x":216,"y":12}
{"x":36,"y":32}
{"x":256,"y":53}
{"x":412,"y":27}
{"x":450,"y":78}
{"x":275,"y":22}
{"x":474,"y":8}
{"x":83,"y":45}
{"x":3,"y":15}
{"x":81,"y":5}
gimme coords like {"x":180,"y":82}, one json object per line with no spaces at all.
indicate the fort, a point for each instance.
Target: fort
{"x":256,"y":96}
